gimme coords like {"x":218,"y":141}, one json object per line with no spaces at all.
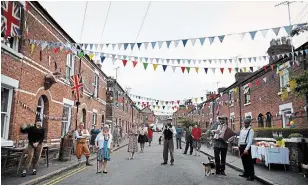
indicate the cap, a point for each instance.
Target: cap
{"x":247,"y":120}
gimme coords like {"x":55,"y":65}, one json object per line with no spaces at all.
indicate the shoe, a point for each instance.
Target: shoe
{"x":181,"y":148}
{"x":223,"y":173}
{"x":217,"y":173}
{"x":89,"y":164}
{"x":242,"y":175}
{"x":105,"y":172}
{"x":250,"y":179}
{"x":172,"y":164}
{"x":34,"y":172}
{"x":99,"y":172}
{"x":24,"y":173}
{"x":185,"y":153}
{"x":164,"y":163}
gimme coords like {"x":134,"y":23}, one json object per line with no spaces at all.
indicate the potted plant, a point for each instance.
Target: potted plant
{"x":295,"y":137}
{"x":278,"y":141}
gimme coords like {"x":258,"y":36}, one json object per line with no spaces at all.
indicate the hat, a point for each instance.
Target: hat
{"x":247,"y":120}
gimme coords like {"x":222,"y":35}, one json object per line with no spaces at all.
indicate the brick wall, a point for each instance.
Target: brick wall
{"x":30,"y":70}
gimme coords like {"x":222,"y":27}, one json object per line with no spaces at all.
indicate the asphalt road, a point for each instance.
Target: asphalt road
{"x":146,"y":169}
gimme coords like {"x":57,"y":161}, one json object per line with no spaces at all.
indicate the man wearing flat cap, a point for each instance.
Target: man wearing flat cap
{"x":220,"y":146}
{"x":245,"y":141}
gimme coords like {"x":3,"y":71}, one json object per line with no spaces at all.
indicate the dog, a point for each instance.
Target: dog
{"x":209,"y":167}
{"x":159,"y":140}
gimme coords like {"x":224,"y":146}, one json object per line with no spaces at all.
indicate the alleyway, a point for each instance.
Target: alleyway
{"x":145,"y":169}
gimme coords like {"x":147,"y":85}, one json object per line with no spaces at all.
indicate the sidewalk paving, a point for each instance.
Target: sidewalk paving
{"x":264,"y":175}
{"x":56,"y":167}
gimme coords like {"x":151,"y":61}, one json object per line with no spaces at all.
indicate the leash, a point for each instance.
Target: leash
{"x":236,"y":159}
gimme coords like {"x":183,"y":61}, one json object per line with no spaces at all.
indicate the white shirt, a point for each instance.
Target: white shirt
{"x":100,"y":140}
{"x":84,"y":134}
{"x":173,"y":130}
{"x":221,"y":131}
{"x":243,"y":136}
{"x":142,"y":131}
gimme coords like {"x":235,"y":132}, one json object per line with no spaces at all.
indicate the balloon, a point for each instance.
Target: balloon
{"x":292,"y":126}
{"x":292,"y":123}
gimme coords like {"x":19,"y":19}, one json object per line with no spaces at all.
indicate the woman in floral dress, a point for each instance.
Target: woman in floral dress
{"x":132,"y":141}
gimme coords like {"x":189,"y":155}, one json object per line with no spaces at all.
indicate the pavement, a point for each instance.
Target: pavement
{"x":146,"y":169}
{"x":276,"y":176}
{"x":55,"y":168}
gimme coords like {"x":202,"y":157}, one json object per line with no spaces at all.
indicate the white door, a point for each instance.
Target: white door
{"x":285,"y":117}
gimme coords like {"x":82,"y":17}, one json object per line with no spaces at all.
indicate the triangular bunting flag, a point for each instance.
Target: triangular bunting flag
{"x":113,"y":46}
{"x":183,"y":69}
{"x":164,"y":67}
{"x":188,"y":69}
{"x":211,"y":39}
{"x":213,"y":70}
{"x":205,"y":70}
{"x":102,"y":58}
{"x":197,"y":69}
{"x":168,"y":43}
{"x":176,"y":43}
{"x":124,"y":62}
{"x":193,"y":41}
{"x":230,"y":70}
{"x":125,"y":46}
{"x":153,"y":44}
{"x":173,"y":68}
{"x":276,"y":30}
{"x":184,"y":42}
{"x":264,"y":79}
{"x":134,"y":63}
{"x":222,"y":70}
{"x":160,"y":44}
{"x":146,"y":44}
{"x":221,"y":38}
{"x":253,"y":34}
{"x":264,"y":32}
{"x":288,"y":29}
{"x":145,"y":65}
{"x":202,"y":41}
{"x":236,"y":69}
{"x":139,"y":45}
{"x":155,"y":66}
{"x":251,"y":69}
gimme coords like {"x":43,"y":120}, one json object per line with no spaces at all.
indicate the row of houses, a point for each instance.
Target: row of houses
{"x":35,"y":81}
{"x":266,"y":95}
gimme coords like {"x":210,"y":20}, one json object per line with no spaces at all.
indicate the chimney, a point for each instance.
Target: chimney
{"x":279,"y":46}
{"x":221,"y":89}
{"x":241,"y":76}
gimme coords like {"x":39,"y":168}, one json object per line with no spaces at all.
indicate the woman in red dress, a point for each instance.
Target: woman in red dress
{"x":150,"y":135}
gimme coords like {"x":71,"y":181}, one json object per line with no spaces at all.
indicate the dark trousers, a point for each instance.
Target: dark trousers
{"x":220,"y":159}
{"x":168,"y":147}
{"x":178,"y":143}
{"x":247,"y":161}
{"x":188,"y":144}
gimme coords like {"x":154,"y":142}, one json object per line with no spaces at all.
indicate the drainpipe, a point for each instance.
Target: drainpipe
{"x":240,"y":104}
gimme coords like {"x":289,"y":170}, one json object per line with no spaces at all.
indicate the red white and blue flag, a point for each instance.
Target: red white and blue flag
{"x":10,"y":18}
{"x":76,"y":86}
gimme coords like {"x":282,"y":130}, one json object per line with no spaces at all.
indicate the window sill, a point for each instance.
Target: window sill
{"x":247,"y":104}
{"x":279,"y":93}
{"x":11,"y":51}
{"x":5,"y":142}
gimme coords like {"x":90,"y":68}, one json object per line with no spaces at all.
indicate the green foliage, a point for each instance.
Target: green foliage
{"x":295,"y":135}
{"x":268,"y":132}
{"x":301,"y":84}
{"x":186,"y":122}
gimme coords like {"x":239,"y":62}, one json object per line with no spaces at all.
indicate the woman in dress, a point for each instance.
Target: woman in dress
{"x":103,"y":143}
{"x":142,"y":137}
{"x":150,"y":135}
{"x":132,"y":141}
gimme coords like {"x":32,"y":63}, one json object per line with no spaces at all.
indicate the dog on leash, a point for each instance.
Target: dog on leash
{"x":209,"y":167}
{"x":159,"y":140}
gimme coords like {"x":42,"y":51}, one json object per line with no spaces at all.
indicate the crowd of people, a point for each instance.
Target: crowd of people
{"x":102,"y":141}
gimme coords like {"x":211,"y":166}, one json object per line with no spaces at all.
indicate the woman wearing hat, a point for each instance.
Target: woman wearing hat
{"x":103,"y":143}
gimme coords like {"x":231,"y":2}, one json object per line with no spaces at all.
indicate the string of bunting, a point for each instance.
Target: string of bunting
{"x":38,"y":113}
{"x":193,"y":41}
{"x":57,"y":46}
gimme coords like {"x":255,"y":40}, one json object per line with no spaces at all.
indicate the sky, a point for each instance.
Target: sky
{"x":173,"y":20}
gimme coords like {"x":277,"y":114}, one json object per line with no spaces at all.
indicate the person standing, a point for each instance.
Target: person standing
{"x":220,"y":146}
{"x":168,"y":134}
{"x":36,"y":135}
{"x":245,"y":141}
{"x":132,"y":141}
{"x":116,"y":136}
{"x":82,"y":146}
{"x":188,"y":140}
{"x":94,"y":132}
{"x":142,"y":137}
{"x":150,"y":135}
{"x":196,"y":134}
{"x":103,"y":143}
{"x":179,"y":133}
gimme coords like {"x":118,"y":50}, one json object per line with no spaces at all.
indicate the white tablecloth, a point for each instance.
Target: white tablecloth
{"x":271,"y":155}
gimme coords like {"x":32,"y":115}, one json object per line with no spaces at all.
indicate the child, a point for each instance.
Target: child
{"x":159,"y":140}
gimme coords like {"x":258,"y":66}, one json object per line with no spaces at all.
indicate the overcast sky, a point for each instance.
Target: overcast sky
{"x":171,"y":21}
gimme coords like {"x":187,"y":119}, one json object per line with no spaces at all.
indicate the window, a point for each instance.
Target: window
{"x":96,"y":84}
{"x":284,"y":78}
{"x":248,"y":115}
{"x":40,"y":110}
{"x":67,"y":119}
{"x":11,"y":42}
{"x":232,"y":121}
{"x":285,"y":111}
{"x":70,"y":61}
{"x":94,"y":119}
{"x":6,"y":102}
{"x":231,"y":98}
{"x":247,"y":94}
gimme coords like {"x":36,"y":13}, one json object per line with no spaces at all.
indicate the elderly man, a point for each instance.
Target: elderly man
{"x":36,"y":135}
{"x":245,"y":141}
{"x":168,"y":133}
{"x":220,"y":146}
{"x":82,"y":135}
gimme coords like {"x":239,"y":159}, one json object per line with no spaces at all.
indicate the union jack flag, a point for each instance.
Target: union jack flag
{"x":10,"y":18}
{"x":76,"y":86}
